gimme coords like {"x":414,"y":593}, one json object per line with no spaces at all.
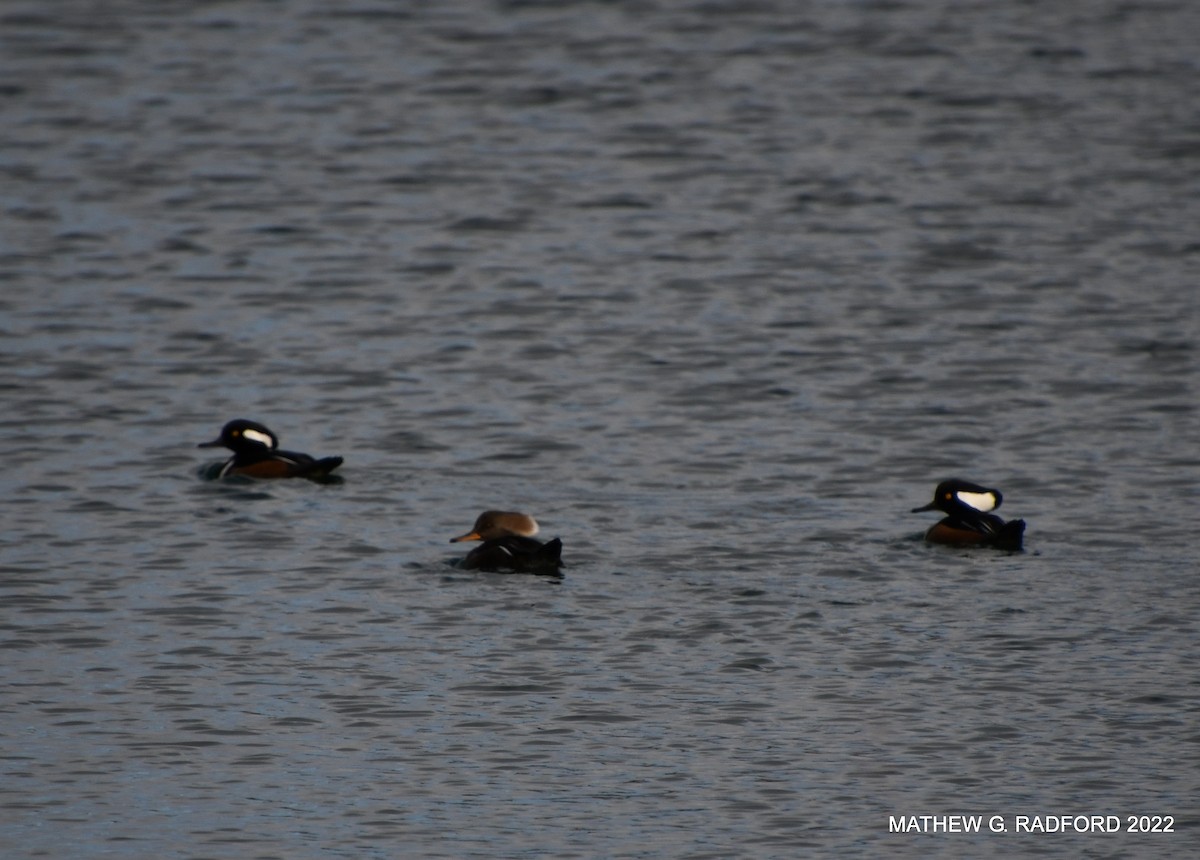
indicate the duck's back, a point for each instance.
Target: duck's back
{"x":517,"y":554}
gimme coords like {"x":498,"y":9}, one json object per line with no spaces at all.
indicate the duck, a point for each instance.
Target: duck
{"x":256,"y":454}
{"x":509,"y":546}
{"x":969,"y":519}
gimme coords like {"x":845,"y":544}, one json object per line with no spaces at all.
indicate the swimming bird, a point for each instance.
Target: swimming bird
{"x":256,"y":454}
{"x":969,"y":521}
{"x":509,"y":545}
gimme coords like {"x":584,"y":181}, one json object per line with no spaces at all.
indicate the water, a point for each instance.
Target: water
{"x":718,"y":292}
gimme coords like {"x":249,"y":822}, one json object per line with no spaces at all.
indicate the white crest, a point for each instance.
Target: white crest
{"x":982,"y":502}
{"x":257,"y":436}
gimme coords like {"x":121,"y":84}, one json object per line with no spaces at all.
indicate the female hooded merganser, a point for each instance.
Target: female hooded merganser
{"x":508,"y":544}
{"x":969,"y":521}
{"x":256,"y":454}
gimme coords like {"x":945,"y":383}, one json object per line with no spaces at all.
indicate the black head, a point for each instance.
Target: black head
{"x":962,"y":497}
{"x":243,"y":435}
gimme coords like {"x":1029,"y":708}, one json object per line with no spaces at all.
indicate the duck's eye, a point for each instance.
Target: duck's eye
{"x":949,"y":496}
{"x":235,"y":433}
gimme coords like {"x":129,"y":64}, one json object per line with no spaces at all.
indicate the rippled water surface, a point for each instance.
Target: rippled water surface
{"x":718,"y":291}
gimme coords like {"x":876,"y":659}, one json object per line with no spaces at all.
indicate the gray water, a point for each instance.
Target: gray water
{"x":716,"y":290}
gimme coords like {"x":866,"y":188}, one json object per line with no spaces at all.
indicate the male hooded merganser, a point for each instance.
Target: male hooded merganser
{"x":256,"y":454}
{"x":508,"y":544}
{"x":969,"y":521}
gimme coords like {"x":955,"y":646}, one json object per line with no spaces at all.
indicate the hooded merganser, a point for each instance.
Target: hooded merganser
{"x":969,"y":521}
{"x":256,"y":454}
{"x":508,"y":544}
